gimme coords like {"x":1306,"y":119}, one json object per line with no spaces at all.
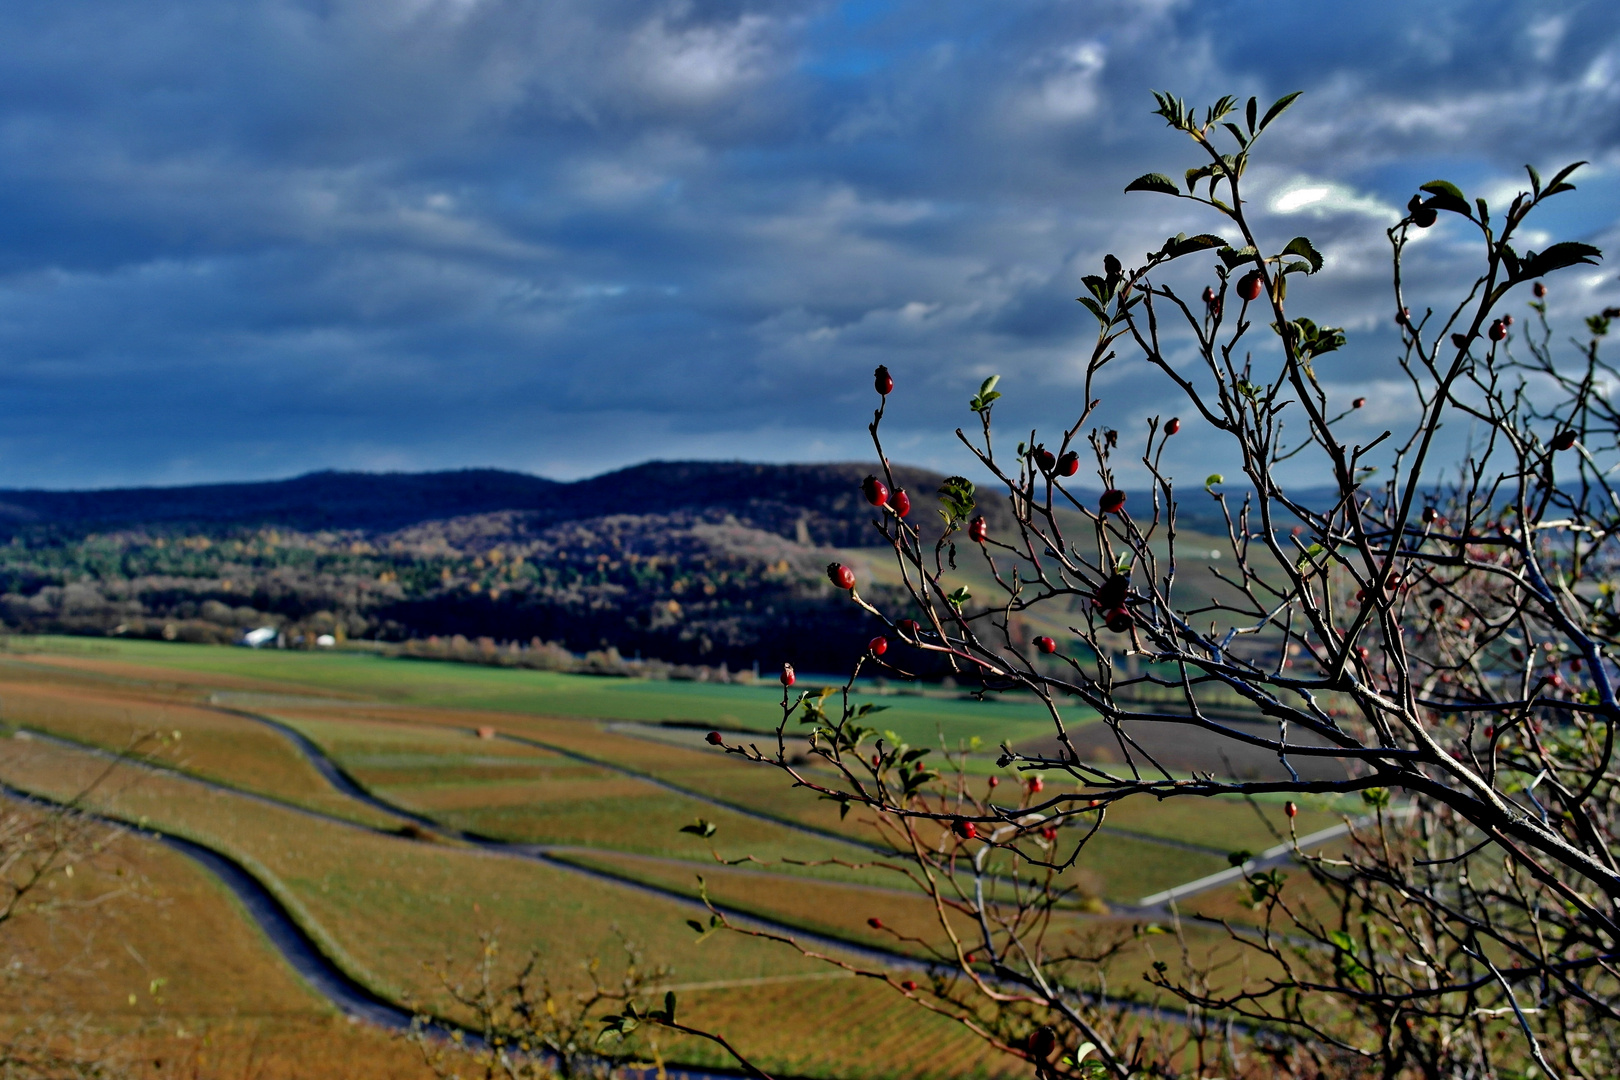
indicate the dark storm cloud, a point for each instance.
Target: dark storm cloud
{"x":253,"y":239}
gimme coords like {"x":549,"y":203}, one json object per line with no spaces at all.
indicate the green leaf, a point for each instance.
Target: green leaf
{"x":1535,"y":180}
{"x":1213,"y":478}
{"x":1301,"y":246}
{"x":1278,"y":107}
{"x":1375,"y":797}
{"x":1237,"y":256}
{"x":1308,"y":554}
{"x":956,"y":493}
{"x":1249,"y":113}
{"x":1180,"y":245}
{"x":1093,"y":307}
{"x":1154,"y":182}
{"x":1568,"y":253}
{"x":1558,"y":184}
{"x":1444,"y":195}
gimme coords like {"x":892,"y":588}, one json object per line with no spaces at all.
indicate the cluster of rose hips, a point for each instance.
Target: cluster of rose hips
{"x":1111,"y":599}
{"x":1052,"y":464}
{"x":1499,"y":328}
{"x":878,"y":494}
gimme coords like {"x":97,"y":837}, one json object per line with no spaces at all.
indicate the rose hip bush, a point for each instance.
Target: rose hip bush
{"x":1433,"y":618}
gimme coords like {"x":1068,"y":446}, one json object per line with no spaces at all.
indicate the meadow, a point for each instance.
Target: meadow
{"x":597,"y":774}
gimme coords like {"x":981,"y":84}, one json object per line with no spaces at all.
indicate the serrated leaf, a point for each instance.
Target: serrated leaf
{"x":1177,"y":246}
{"x":1278,"y":107}
{"x":1234,"y":257}
{"x":1444,"y":187}
{"x":1093,"y":307}
{"x":1568,"y":253}
{"x":1302,"y":247}
{"x":1098,"y":287}
{"x":1154,"y":182}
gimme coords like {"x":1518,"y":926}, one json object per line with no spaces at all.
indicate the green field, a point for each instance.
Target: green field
{"x":361,"y":675}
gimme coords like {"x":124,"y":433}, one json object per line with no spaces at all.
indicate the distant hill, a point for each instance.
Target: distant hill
{"x":777,"y":498}
{"x":689,"y":562}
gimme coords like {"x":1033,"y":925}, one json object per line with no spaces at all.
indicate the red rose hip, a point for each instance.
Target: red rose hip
{"x":1249,"y":285}
{"x":878,"y":645}
{"x":1539,"y":289}
{"x":1046,"y":644}
{"x":714,"y":738}
{"x":875,"y":490}
{"x":967,"y":830}
{"x":788,"y":676}
{"x":978,"y":529}
{"x":1112,"y":501}
{"x":1045,"y":459}
{"x":840,"y":575}
{"x":907,"y":627}
{"x":1068,"y":464}
{"x":1173,"y":426}
{"x":1498,"y":330}
{"x":900,"y":502}
{"x":881,"y":380}
{"x":1119,"y":620}
{"x":1563,"y":440}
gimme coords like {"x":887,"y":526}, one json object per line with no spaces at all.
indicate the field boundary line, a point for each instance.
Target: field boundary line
{"x":1272,"y":856}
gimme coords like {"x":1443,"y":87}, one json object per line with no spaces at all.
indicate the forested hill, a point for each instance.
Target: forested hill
{"x":822,"y":502}
{"x":690,"y":562}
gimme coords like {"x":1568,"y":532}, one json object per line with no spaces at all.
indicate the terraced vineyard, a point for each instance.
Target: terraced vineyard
{"x":398,"y":809}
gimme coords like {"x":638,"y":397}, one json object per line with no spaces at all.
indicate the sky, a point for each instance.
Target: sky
{"x":250,"y":240}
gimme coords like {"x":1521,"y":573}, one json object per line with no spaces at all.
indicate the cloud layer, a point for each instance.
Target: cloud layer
{"x":253,"y":239}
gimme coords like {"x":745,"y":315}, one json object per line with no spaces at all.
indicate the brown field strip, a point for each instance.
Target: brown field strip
{"x":399,"y":904}
{"x":521,"y":793}
{"x":214,"y":745}
{"x":147,"y":934}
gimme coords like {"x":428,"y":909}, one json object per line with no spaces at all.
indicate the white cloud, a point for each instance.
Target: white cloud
{"x":1320,"y":199}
